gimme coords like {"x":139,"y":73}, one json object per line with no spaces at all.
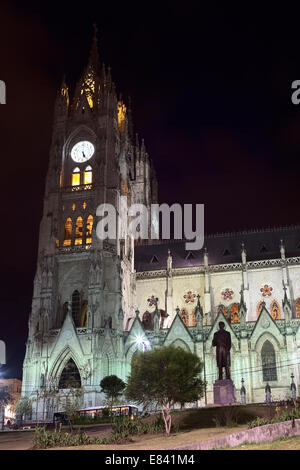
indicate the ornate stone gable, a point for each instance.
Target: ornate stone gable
{"x":178,"y":330}
{"x":265,"y":324}
{"x":135,"y":331}
{"x":67,"y":336}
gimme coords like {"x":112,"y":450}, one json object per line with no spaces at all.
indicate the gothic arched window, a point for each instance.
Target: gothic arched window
{"x":185,"y":316}
{"x":234,"y":313}
{"x":89,"y":228}
{"x":70,"y":377}
{"x":76,"y":177}
{"x":88,"y":175}
{"x":147,"y":321}
{"x":68,"y":232}
{"x":268,"y":360}
{"x":83,"y":319}
{"x":298,"y":308}
{"x":78,"y":231}
{"x":179,"y":343}
{"x":105,"y":363}
{"x":275,"y":310}
{"x":194,"y":319}
{"x":259,"y":308}
{"x":76,"y":310}
{"x":223,"y":309}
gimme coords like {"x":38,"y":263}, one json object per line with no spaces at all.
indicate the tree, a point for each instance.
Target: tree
{"x":165,"y":375}
{"x":24,"y":407}
{"x":113,"y":389}
{"x":73,"y":401}
{"x":5,"y":399}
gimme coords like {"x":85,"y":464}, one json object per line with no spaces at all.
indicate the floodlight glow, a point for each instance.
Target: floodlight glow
{"x":139,"y":340}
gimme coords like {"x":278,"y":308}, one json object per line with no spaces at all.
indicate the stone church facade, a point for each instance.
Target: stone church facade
{"x":96,"y":302}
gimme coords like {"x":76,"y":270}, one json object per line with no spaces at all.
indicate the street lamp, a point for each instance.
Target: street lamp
{"x":142,"y":342}
{"x":243,"y":393}
{"x":293,"y":388}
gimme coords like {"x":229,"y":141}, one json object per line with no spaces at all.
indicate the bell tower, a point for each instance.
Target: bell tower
{"x":84,"y":287}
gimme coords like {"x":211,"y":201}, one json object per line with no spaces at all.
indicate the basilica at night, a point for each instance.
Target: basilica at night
{"x":96,"y":302}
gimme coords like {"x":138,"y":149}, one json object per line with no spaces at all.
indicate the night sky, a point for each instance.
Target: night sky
{"x":211,"y":95}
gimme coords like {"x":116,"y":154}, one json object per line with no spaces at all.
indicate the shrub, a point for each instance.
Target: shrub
{"x":123,"y":428}
{"x":282,"y":414}
{"x":44,"y":439}
{"x":227,"y":417}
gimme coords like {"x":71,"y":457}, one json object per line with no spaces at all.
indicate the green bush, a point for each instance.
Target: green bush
{"x":44,"y":439}
{"x":106,"y":413}
{"x":227,"y":416}
{"x":283,"y":414}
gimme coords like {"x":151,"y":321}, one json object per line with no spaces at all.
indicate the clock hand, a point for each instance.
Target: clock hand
{"x":83,"y":154}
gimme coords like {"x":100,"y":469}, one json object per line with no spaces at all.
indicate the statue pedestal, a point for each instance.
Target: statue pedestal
{"x":224,"y":392}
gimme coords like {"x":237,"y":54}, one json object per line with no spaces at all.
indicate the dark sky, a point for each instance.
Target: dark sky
{"x":211,"y":95}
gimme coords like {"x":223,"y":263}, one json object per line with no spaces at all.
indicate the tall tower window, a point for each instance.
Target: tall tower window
{"x":78,"y":231}
{"x":89,"y":228}
{"x":76,"y":177}
{"x":76,"y":314}
{"x":88,"y":175}
{"x":68,"y":232}
{"x":268,"y":360}
{"x":83,"y":319}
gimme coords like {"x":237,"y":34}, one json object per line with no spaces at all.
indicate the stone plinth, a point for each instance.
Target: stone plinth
{"x":224,"y":392}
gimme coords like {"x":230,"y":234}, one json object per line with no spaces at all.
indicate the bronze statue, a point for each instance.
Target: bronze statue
{"x":222,"y":340}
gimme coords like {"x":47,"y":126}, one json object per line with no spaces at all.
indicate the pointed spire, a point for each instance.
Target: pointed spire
{"x":243,"y":253}
{"x":88,"y":85}
{"x":62,"y":99}
{"x":242,"y":309}
{"x":94,"y":53}
{"x":282,"y":250}
{"x":205,"y":257}
{"x":286,"y":304}
{"x":156,"y":317}
{"x":129,"y":117}
{"x":199,"y":314}
{"x":169,"y":262}
{"x":242,"y":301}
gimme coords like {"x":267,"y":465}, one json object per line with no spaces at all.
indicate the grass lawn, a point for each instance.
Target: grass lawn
{"x":160,"y":441}
{"x":284,"y":443}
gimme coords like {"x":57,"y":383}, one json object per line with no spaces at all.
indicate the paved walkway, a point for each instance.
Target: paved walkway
{"x":23,"y":440}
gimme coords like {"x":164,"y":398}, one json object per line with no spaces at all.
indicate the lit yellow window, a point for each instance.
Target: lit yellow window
{"x":76,"y":177}
{"x":88,"y":175}
{"x":73,"y":207}
{"x":78,"y":231}
{"x":84,"y":205}
{"x":89,"y":228}
{"x":68,"y":232}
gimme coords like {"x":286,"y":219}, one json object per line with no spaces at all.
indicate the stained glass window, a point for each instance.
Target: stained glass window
{"x":268,"y":360}
{"x":68,"y":232}
{"x":70,"y":377}
{"x":275,"y":310}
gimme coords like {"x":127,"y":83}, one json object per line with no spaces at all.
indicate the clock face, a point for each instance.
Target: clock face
{"x":82,"y":151}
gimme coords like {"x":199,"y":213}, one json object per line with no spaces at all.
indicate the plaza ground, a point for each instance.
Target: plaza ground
{"x":195,"y":426}
{"x":23,"y":440}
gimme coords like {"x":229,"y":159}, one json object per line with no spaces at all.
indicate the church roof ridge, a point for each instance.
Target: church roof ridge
{"x":226,"y":234}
